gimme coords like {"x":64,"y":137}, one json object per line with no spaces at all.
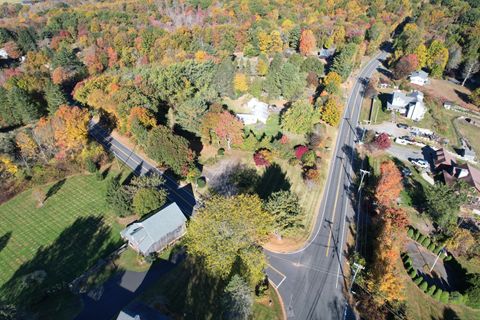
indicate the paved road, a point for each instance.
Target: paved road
{"x":310,"y":280}
{"x":183,"y":196}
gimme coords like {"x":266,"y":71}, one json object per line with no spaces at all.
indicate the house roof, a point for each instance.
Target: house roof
{"x":146,"y":233}
{"x":420,"y":74}
{"x":443,"y":157}
{"x":474,"y":177}
{"x":401,"y":99}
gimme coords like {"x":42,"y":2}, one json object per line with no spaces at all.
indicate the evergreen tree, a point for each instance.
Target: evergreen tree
{"x":223,"y":79}
{"x":344,"y":62}
{"x":189,"y":113}
{"x":7,"y":113}
{"x":54,"y":97}
{"x":238,"y":300}
{"x":24,"y":107}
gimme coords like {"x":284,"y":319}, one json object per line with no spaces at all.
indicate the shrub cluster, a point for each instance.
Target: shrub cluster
{"x":426,"y":242}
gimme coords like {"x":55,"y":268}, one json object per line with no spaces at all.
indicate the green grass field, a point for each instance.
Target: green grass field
{"x":64,"y":237}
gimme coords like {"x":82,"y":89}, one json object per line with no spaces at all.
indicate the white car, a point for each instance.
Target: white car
{"x":421,"y":163}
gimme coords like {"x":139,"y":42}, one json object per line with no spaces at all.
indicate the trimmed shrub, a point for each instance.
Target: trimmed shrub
{"x":423,"y":285}
{"x":410,"y":232}
{"x":221,"y":151}
{"x":408,"y":263}
{"x":426,"y":242}
{"x":447,"y":258}
{"x":438,"y":294}
{"x":421,"y":239}
{"x":431,"y":247}
{"x":418,"y":280}
{"x":412,"y":273}
{"x":201,"y":182}
{"x":437,"y":249}
{"x":416,"y":235}
{"x":431,"y":290}
{"x":457,"y":298}
{"x":445,"y":297}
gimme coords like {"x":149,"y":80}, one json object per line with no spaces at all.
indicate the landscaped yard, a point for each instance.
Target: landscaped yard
{"x":62,"y":238}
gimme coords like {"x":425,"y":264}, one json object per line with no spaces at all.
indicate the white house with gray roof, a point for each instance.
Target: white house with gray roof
{"x":410,"y":105}
{"x":419,"y":77}
{"x":156,"y":232}
{"x":258,"y":112}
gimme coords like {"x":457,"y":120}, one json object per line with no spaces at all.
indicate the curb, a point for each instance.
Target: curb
{"x":284,"y":313}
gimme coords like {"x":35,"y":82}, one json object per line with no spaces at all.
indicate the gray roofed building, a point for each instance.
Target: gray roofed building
{"x":419,"y":77}
{"x":156,"y":232}
{"x":410,"y":105}
{"x":326,"y":53}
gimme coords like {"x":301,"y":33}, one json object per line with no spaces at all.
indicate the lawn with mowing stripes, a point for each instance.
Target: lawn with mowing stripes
{"x":64,"y":237}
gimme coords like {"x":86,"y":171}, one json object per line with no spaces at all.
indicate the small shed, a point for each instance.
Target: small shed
{"x":156,"y":232}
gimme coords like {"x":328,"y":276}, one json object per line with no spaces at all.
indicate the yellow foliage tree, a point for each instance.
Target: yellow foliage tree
{"x":264,"y":41}
{"x":28,"y":147}
{"x":240,"y":226}
{"x":287,"y":24}
{"x":276,"y":43}
{"x":262,"y":67}
{"x":7,"y":164}
{"x":330,"y":112}
{"x":332,"y":82}
{"x":201,"y":56}
{"x":422,"y":55}
{"x":240,"y":83}
{"x":71,"y":127}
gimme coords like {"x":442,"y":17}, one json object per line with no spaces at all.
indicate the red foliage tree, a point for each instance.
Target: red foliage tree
{"x":12,"y":50}
{"x":397,"y":216}
{"x":300,"y":151}
{"x":382,"y":141}
{"x":406,"y":65}
{"x":262,"y":158}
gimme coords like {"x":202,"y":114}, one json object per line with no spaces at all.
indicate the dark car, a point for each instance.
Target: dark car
{"x":402,"y":125}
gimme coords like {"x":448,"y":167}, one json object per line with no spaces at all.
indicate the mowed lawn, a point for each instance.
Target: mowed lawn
{"x":65,"y":236}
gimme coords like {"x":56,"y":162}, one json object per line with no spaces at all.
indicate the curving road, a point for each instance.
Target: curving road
{"x":310,"y":280}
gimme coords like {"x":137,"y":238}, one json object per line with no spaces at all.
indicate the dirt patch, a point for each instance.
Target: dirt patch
{"x":447,"y":91}
{"x":127,"y":220}
{"x":283,"y":245}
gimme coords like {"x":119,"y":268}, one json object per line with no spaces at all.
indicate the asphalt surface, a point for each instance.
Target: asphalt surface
{"x":183,"y":196}
{"x":310,"y":280}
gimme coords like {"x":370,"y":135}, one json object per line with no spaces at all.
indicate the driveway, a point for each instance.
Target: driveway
{"x":390,"y":128}
{"x":422,"y":262}
{"x":120,"y":290}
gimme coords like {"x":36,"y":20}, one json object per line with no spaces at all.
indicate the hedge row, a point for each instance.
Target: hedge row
{"x":426,"y":242}
{"x":432,"y":290}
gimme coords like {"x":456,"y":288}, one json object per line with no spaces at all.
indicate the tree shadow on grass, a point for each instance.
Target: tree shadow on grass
{"x":4,"y":240}
{"x":55,"y":188}
{"x":272,"y":180}
{"x":75,"y":250}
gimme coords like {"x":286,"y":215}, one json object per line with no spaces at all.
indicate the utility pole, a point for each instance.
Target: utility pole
{"x":363,"y":172}
{"x":358,"y":267}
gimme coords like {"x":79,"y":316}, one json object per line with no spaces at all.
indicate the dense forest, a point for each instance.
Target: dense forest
{"x":160,"y":73}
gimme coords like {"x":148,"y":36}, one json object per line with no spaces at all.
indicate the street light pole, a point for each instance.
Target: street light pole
{"x":363,"y":172}
{"x":358,"y":267}
{"x":438,"y":256}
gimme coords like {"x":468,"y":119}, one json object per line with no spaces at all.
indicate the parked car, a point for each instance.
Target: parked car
{"x":420,"y":163}
{"x":402,"y":126}
{"x":406,"y":172}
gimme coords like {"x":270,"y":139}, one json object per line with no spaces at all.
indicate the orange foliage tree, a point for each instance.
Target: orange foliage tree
{"x":389,"y":185}
{"x":143,"y":115}
{"x":71,"y":127}
{"x":307,"y":42}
